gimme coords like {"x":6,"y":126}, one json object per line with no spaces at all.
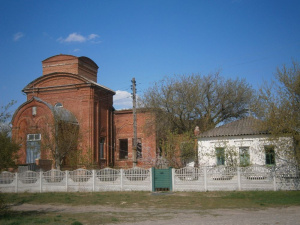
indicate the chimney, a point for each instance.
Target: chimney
{"x":196,"y":131}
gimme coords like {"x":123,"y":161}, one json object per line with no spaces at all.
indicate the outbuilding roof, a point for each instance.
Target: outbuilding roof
{"x":245,"y":126}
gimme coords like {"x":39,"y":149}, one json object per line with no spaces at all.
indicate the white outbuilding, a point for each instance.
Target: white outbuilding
{"x":242,"y":143}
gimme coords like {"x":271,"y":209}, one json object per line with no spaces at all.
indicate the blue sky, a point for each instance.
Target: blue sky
{"x":147,"y":39}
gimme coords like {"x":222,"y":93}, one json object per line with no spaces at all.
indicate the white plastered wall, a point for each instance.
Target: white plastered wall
{"x":256,"y":144}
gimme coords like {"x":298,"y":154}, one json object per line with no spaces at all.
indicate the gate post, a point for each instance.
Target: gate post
{"x":173,"y":179}
{"x":153,"y":178}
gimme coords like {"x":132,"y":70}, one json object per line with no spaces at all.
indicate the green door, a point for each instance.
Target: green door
{"x":162,"y":179}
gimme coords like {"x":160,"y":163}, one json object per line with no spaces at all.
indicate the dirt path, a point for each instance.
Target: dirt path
{"x":289,"y":215}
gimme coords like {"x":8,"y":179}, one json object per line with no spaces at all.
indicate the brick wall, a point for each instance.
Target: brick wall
{"x":145,"y":132}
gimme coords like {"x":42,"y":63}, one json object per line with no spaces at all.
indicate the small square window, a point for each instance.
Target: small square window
{"x":37,"y":136}
{"x":30,"y":137}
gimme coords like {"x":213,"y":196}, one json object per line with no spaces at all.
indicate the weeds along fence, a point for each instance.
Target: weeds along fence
{"x":138,"y":179}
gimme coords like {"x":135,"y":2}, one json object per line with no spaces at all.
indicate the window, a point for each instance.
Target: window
{"x":58,"y":104}
{"x":101,"y":148}
{"x":33,"y":147}
{"x":123,"y":148}
{"x":220,"y":153}
{"x":270,"y":155}
{"x":34,"y":110}
{"x":244,"y":156}
{"x":33,"y":137}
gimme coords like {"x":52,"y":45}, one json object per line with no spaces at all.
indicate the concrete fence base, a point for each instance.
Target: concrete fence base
{"x":138,"y":179}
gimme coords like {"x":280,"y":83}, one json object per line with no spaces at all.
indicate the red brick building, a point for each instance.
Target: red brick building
{"x":69,"y":86}
{"x":146,"y":139}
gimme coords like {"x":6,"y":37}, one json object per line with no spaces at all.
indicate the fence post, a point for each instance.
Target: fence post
{"x":274,"y":180}
{"x":67,"y":180}
{"x":16,"y":187}
{"x":93,"y":173}
{"x":151,"y":179}
{"x":173,"y":178}
{"x":239,"y":178}
{"x":121,"y":171}
{"x":205,"y":178}
{"x":41,"y":181}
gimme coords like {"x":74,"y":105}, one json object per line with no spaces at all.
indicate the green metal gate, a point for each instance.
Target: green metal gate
{"x":162,"y":179}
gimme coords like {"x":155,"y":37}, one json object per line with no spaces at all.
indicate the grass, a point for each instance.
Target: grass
{"x":178,"y":201}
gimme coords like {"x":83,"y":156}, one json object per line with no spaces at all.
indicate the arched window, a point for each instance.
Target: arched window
{"x":58,"y":105}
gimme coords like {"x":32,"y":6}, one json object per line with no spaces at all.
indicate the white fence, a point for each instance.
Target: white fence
{"x":135,"y":179}
{"x":138,"y":179}
{"x":236,"y":178}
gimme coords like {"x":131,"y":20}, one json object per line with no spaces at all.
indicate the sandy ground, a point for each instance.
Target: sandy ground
{"x":288,"y":215}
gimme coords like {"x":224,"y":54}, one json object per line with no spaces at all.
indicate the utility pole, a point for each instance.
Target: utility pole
{"x":134,"y":144}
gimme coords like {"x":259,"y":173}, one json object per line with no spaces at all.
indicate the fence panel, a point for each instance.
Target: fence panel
{"x":54,"y":181}
{"x":108,"y":180}
{"x":137,"y":179}
{"x":257,"y":177}
{"x":7,"y":182}
{"x":188,"y":179}
{"x":28,"y":181}
{"x":288,"y":177}
{"x":80,"y":180}
{"x":222,"y":178}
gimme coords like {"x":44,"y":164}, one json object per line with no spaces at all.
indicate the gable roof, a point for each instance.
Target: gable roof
{"x":245,"y":126}
{"x":85,"y":80}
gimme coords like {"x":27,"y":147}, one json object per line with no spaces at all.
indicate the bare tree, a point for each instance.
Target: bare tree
{"x":61,"y":137}
{"x":183,"y":102}
{"x":279,"y":109}
{"x":5,"y":115}
{"x":8,"y":147}
{"x":178,"y":149}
